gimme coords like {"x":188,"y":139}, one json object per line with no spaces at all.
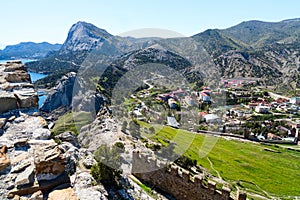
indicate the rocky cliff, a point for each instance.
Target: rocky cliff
{"x":34,"y":166}
{"x":71,"y":91}
{"x":61,"y":96}
{"x":16,"y":90}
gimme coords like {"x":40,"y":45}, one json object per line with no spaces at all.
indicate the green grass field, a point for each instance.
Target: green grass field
{"x":265,"y":170}
{"x":71,"y":122}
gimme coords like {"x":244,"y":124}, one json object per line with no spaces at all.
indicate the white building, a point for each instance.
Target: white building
{"x":262,"y":109}
{"x":212,"y":118}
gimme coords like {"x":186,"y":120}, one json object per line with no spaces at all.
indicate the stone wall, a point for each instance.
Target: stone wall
{"x":177,"y":181}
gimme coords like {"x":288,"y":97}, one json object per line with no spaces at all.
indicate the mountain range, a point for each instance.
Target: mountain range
{"x":29,"y":50}
{"x":268,"y":51}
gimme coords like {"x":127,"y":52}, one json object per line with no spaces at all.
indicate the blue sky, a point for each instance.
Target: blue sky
{"x":50,"y":20}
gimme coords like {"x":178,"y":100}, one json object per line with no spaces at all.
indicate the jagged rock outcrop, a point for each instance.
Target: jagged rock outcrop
{"x":33,"y":166}
{"x":16,"y":90}
{"x":68,"y":136}
{"x":49,"y":161}
{"x":33,"y":161}
{"x":85,"y":37}
{"x":89,"y":161}
{"x":8,"y":101}
{"x":104,"y":130}
{"x":73,"y":92}
{"x":82,"y":182}
{"x":61,"y":95}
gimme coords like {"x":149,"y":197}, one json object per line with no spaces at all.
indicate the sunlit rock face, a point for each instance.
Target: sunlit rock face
{"x":16,"y":89}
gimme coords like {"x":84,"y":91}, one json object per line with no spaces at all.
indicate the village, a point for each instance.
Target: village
{"x":237,"y":108}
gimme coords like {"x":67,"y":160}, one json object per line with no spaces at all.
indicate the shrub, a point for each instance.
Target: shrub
{"x":107,"y":169}
{"x":186,"y":162}
{"x":119,"y":147}
{"x":151,"y":130}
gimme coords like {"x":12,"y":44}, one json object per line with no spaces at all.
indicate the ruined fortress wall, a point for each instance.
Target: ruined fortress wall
{"x":177,"y":181}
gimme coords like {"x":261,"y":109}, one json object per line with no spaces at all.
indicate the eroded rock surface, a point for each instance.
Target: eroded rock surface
{"x":30,"y":160}
{"x":16,"y":90}
{"x":4,"y":161}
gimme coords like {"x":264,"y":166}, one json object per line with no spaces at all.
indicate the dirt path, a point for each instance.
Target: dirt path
{"x":212,"y":167}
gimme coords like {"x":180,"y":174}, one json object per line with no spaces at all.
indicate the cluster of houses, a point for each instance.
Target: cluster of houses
{"x":291,"y":106}
{"x":288,"y":133}
{"x":180,"y":97}
{"x":235,"y":117}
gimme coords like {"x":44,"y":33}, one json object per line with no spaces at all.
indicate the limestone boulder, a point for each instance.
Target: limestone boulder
{"x":82,"y":182}
{"x":72,"y":156}
{"x":41,"y":134}
{"x":19,"y":131}
{"x":4,"y":161}
{"x":89,"y":161}
{"x":41,"y":168}
{"x":36,"y":163}
{"x":49,"y":163}
{"x":68,"y":136}
{"x":25,"y":177}
{"x":27,"y":97}
{"x":11,"y":67}
{"x":7,"y":101}
{"x":17,"y":76}
{"x":63,"y":194}
{"x":21,"y":166}
{"x":16,"y":89}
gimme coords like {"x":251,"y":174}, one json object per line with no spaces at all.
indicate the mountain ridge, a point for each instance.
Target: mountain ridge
{"x":254,"y":41}
{"x":28,"y":50}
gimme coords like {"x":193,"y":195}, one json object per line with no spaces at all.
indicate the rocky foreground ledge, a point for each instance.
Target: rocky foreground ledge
{"x":16,"y":89}
{"x":34,"y":166}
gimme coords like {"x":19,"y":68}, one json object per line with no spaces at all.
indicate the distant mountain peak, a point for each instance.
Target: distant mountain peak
{"x":88,"y":27}
{"x":84,"y":36}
